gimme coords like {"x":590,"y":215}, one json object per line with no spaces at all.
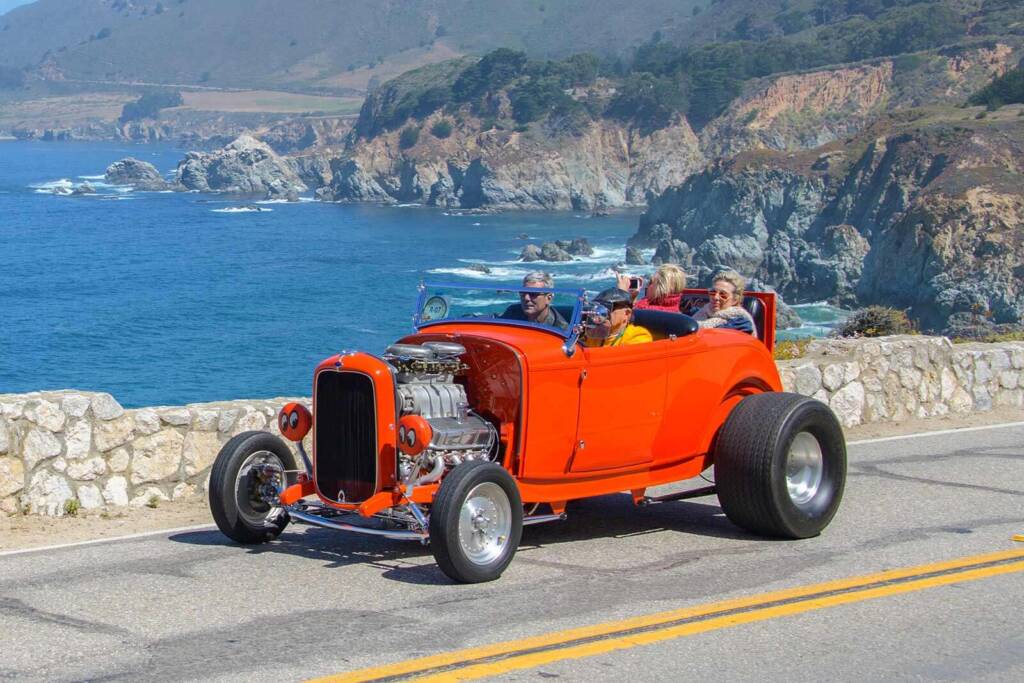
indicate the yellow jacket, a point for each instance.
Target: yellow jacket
{"x":632,"y":334}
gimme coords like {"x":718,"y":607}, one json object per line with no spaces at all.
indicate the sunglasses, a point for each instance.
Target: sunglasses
{"x":720,"y":293}
{"x":531,"y":295}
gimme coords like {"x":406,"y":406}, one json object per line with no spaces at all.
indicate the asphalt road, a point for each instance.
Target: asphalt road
{"x":190,"y":606}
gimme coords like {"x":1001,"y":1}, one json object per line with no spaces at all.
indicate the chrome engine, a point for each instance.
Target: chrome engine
{"x":426,"y":387}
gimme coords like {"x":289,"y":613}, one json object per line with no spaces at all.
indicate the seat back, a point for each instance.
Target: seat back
{"x":664,"y":324}
{"x":755,"y":308}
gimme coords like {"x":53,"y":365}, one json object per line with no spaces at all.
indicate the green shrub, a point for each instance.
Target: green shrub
{"x":1006,"y":89}
{"x":149,"y":105}
{"x":791,"y":349}
{"x":441,"y":129}
{"x":71,"y":507}
{"x":876,"y":321}
{"x":409,"y":136}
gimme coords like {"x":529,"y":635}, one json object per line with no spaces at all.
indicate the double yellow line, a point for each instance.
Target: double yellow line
{"x":588,"y":641}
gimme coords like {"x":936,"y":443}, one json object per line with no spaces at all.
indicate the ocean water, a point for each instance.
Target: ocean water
{"x":170,"y":298}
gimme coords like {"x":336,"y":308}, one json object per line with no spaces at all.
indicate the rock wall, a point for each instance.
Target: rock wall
{"x":59,"y":446}
{"x":62,"y":446}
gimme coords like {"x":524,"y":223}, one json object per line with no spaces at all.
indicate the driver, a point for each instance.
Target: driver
{"x":608,"y":323}
{"x":536,"y":307}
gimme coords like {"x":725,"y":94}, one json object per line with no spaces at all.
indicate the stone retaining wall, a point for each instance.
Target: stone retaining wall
{"x":62,"y":450}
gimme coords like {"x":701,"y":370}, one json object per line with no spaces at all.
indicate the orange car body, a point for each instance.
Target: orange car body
{"x":598,"y":421}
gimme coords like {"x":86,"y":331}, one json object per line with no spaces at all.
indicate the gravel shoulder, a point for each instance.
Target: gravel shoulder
{"x":17,"y":533}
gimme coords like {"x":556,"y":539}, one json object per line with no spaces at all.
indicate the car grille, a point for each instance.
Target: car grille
{"x":345,"y":437}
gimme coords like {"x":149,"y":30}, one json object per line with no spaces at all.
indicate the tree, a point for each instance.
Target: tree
{"x":649,"y":101}
{"x":1006,"y":89}
{"x":409,"y":136}
{"x":441,"y":129}
{"x":148,"y":106}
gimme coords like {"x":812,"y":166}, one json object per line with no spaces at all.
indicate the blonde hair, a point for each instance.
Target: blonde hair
{"x":734,"y":279}
{"x":667,"y":279}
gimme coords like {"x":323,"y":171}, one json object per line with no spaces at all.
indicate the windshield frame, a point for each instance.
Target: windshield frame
{"x":570,"y":333}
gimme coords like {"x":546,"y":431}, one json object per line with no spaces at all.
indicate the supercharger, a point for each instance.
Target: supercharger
{"x":425,"y":383}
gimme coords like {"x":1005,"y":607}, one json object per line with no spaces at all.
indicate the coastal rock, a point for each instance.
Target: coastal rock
{"x":141,"y":175}
{"x":531,"y":252}
{"x":479,"y":268}
{"x":350,"y":183}
{"x":246,"y":166}
{"x":671,"y":251}
{"x":105,"y":407}
{"x":84,"y":189}
{"x":634,"y":257}
{"x":577,"y":247}
{"x":551,"y":251}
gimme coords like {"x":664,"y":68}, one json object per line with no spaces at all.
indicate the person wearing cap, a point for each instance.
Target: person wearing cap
{"x":612,"y":324}
{"x":535,"y":307}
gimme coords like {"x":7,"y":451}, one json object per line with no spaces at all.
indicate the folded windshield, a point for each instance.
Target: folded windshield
{"x":557,"y":310}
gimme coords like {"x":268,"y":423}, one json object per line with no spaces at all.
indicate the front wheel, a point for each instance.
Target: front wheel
{"x":780,"y":465}
{"x":246,"y":476}
{"x":476,"y":522}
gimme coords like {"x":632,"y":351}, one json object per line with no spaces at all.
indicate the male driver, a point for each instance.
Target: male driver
{"x":536,"y":307}
{"x":615,"y":328}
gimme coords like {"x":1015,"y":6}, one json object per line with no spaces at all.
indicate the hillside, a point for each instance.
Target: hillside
{"x":333,"y":45}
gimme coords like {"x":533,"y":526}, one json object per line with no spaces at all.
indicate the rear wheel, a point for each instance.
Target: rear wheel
{"x":780,"y":465}
{"x":246,"y":476}
{"x":476,"y":522}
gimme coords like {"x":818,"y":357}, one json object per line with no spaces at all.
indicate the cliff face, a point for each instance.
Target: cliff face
{"x":605,"y":165}
{"x":609,"y":164}
{"x":923,"y":211}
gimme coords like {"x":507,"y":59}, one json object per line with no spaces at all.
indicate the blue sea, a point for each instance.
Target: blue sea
{"x":172,"y":298}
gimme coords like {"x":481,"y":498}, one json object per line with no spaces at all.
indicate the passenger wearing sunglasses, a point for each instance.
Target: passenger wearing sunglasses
{"x":535,"y":307}
{"x":725,"y":309}
{"x":608,"y":321}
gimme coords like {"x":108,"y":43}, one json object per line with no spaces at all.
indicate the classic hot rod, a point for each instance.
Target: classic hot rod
{"x":481,"y":422}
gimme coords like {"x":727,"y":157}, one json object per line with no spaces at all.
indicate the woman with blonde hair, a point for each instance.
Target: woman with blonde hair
{"x":725,"y":309}
{"x":664,"y":290}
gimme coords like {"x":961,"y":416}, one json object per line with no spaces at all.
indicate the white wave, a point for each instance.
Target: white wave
{"x":476,"y":224}
{"x":813,"y":303}
{"x":412,"y":204}
{"x":495,"y":274}
{"x":240,"y":209}
{"x":92,"y":177}
{"x":301,"y":200}
{"x":54,"y":184}
{"x":480,"y":303}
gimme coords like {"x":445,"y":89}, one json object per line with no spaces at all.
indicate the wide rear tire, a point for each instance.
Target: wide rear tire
{"x":235,"y":502}
{"x":476,"y":522}
{"x":780,"y":465}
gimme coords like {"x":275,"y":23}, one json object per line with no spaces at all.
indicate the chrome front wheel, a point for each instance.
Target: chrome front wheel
{"x":476,"y":522}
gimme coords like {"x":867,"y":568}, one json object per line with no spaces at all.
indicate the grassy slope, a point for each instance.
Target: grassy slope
{"x":253,"y":43}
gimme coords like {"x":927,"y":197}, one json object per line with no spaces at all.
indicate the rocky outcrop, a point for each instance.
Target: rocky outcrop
{"x":141,"y":175}
{"x":924,"y":217}
{"x":246,"y":166}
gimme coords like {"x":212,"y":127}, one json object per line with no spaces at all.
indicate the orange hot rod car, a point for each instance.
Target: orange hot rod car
{"x":482,"y":421}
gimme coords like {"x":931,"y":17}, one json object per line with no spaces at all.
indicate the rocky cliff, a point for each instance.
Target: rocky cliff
{"x":607,"y":164}
{"x":924,"y":211}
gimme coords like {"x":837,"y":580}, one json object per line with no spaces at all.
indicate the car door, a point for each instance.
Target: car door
{"x":621,"y":406}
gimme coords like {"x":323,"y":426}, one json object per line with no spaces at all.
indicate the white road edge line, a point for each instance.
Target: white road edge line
{"x":159,"y":532}
{"x":95,"y":541}
{"x":939,"y":432}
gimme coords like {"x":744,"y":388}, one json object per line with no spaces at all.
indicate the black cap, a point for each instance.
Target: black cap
{"x":613,"y":298}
